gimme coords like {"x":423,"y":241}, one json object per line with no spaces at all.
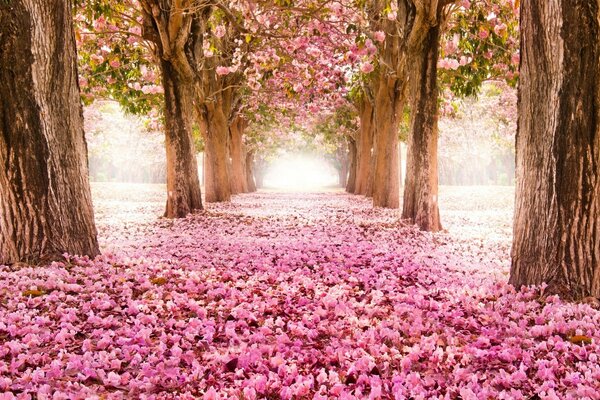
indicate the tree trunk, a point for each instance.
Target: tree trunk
{"x":386,"y":191}
{"x":371,"y":172}
{"x":557,"y":207}
{"x":183,"y":184}
{"x":45,"y":200}
{"x":400,"y":172}
{"x":420,"y":204}
{"x":259,"y":174}
{"x":351,"y":184}
{"x":250,"y":171}
{"x":216,"y":134}
{"x":239,"y":182}
{"x":343,"y":174}
{"x":364,"y":147}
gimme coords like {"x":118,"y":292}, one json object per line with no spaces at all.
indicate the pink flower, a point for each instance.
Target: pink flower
{"x":379,"y":36}
{"x":366,"y":67}
{"x":220,"y":31}
{"x":222,"y":70}
{"x":249,"y":393}
{"x":211,"y":394}
{"x":112,"y":379}
{"x":115,"y":63}
{"x":516,"y":58}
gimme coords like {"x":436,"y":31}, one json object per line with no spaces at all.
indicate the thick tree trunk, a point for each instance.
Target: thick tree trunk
{"x":420,"y":204}
{"x":364,"y":147}
{"x":216,"y":182}
{"x":45,"y":199}
{"x":183,"y":184}
{"x":386,"y":191}
{"x":351,"y":184}
{"x":250,"y":171}
{"x":239,"y":182}
{"x":557,"y":208}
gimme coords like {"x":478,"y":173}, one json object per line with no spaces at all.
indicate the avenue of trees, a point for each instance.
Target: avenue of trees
{"x":351,"y":74}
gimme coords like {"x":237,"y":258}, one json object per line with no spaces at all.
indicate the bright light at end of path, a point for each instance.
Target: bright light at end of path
{"x":295,"y":172}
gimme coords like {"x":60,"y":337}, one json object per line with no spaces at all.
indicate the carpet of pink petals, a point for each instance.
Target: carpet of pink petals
{"x":292,"y":296}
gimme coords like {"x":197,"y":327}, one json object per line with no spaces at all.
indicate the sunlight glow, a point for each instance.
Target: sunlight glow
{"x":300,"y":172}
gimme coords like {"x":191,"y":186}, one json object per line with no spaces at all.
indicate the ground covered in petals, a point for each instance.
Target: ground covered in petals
{"x":292,"y":296}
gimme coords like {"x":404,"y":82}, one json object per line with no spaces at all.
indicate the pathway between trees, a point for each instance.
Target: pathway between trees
{"x":289,"y":295}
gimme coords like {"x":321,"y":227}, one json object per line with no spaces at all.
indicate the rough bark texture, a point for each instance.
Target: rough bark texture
{"x":371,"y":173}
{"x":351,"y":184}
{"x":250,"y":171}
{"x":386,"y":190}
{"x":183,"y":184}
{"x":45,"y":200}
{"x":364,"y":147}
{"x":420,"y":204}
{"x":216,"y":179}
{"x":237,"y":151}
{"x":557,"y":209}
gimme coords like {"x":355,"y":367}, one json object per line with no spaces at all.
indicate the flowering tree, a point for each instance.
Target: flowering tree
{"x":481,"y":44}
{"x":398,"y":73}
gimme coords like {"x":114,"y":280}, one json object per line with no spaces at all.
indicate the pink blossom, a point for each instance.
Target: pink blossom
{"x":366,"y":67}
{"x":220,"y":31}
{"x":379,"y":36}
{"x":221,"y":70}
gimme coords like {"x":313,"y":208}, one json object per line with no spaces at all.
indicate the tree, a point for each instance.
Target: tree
{"x":352,"y":155}
{"x":420,"y":204}
{"x":45,"y":199}
{"x":401,"y":31}
{"x":125,"y":57}
{"x":237,"y":150}
{"x":364,"y":142}
{"x":557,"y":210}
{"x":480,"y":38}
{"x":177,"y":47}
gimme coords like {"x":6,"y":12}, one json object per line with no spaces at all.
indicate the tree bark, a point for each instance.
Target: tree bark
{"x":557,"y":208}
{"x":183,"y":184}
{"x":45,"y":200}
{"x":239,"y":182}
{"x":420,"y":204}
{"x":364,"y":147}
{"x":250,"y":171}
{"x":216,"y":133}
{"x":386,"y":190}
{"x":352,"y":152}
{"x":371,"y":173}
{"x":343,"y":174}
